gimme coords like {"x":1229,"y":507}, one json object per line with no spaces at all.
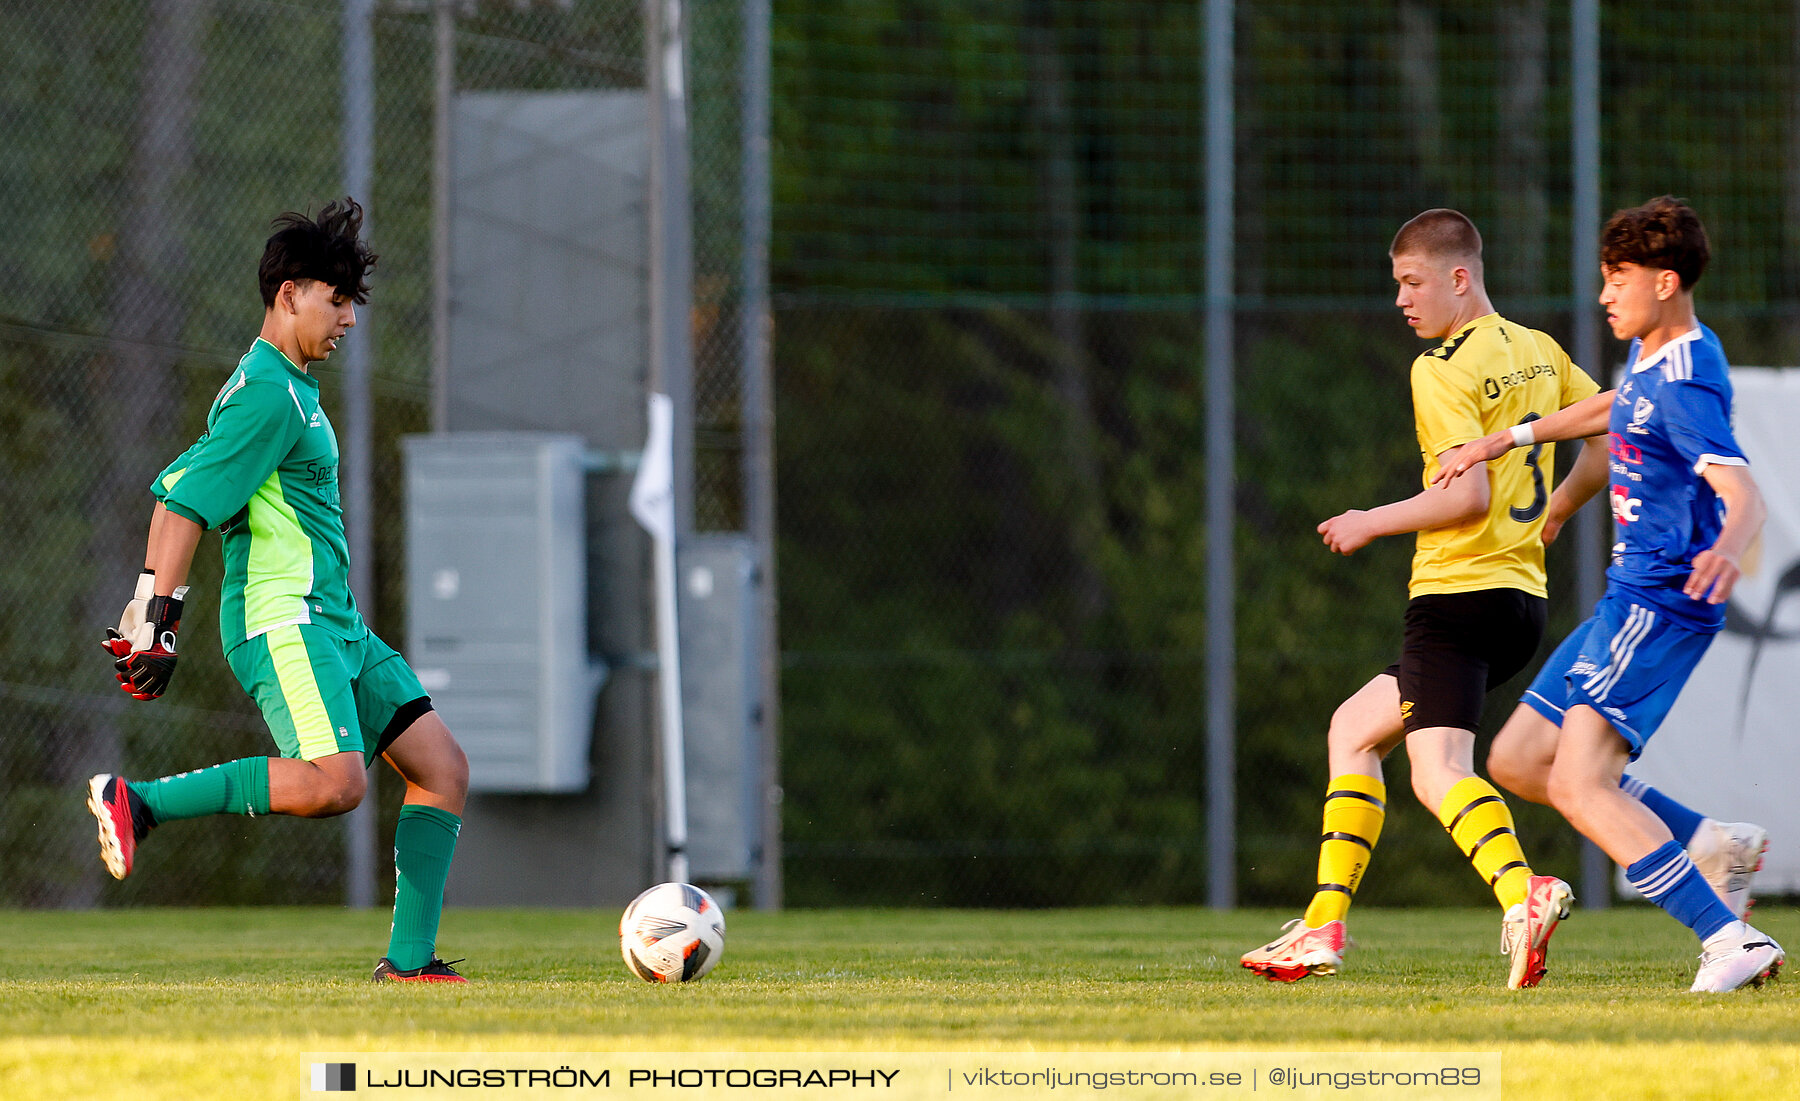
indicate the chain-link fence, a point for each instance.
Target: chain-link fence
{"x":147,"y":144}
{"x":987,"y":271}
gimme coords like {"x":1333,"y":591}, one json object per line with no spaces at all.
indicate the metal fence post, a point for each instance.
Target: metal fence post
{"x":1221,"y":515}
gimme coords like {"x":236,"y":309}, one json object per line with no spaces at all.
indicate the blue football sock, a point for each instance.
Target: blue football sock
{"x":1681,"y":821}
{"x":1668,"y":878}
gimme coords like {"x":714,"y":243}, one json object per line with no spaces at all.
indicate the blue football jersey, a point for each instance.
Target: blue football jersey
{"x":1670,"y":420}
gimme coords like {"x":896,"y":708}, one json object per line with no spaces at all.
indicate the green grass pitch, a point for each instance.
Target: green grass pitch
{"x":226,"y":1003}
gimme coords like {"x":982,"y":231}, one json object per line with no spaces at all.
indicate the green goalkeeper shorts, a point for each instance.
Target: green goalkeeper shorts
{"x":321,"y":694}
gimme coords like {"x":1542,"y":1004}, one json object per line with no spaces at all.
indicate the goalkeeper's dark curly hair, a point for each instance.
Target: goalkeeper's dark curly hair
{"x":1664,"y":233}
{"x":325,"y":249}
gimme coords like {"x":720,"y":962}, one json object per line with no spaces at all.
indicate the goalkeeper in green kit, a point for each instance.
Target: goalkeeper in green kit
{"x":265,"y":473}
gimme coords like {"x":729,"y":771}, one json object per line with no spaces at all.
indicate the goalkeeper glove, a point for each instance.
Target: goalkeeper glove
{"x":118,"y":640}
{"x":146,"y":670}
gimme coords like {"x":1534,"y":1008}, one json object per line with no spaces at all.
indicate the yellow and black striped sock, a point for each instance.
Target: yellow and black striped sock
{"x":1482,"y":825}
{"x":1355,"y":807}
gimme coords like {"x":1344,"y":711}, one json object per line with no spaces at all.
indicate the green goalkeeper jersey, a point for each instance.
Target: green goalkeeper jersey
{"x":265,"y":473}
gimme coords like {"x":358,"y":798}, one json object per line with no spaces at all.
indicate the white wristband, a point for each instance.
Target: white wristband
{"x":1523,"y":436}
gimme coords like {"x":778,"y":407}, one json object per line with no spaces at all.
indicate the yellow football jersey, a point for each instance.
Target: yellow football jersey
{"x":1492,"y":374}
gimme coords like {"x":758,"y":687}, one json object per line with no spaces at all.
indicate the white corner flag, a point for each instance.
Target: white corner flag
{"x":653,"y":490}
{"x":653,"y":504}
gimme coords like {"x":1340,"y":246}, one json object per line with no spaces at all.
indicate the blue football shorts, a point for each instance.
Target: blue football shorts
{"x":1628,"y":661}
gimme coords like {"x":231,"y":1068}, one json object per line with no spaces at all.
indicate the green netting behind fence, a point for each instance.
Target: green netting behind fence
{"x":988,"y":261}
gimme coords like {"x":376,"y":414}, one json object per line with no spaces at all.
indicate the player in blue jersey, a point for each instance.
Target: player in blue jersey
{"x":334,"y":695}
{"x":1686,"y":510}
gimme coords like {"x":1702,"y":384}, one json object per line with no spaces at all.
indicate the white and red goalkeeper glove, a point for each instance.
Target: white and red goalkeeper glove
{"x":118,"y":639}
{"x":149,"y":662}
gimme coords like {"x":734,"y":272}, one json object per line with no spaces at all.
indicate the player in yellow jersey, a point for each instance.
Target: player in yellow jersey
{"x":1476,"y":610}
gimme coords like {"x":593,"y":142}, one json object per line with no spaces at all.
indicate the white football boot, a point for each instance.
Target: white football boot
{"x":1729,"y":854}
{"x":1525,"y":931}
{"x":1736,"y":956}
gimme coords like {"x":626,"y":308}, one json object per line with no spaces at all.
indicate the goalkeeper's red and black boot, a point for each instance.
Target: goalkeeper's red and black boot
{"x":124,"y":821}
{"x":435,"y":971}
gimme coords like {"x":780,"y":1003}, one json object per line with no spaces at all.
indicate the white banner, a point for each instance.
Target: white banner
{"x":1729,"y":748}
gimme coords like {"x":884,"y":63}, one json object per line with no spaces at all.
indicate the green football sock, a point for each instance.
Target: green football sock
{"x":236,"y":787}
{"x":424,"y":841}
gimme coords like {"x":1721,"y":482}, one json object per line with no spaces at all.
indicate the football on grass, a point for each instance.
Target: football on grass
{"x":674,"y":932}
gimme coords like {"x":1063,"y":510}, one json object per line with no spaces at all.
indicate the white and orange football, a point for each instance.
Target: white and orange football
{"x":674,"y":932}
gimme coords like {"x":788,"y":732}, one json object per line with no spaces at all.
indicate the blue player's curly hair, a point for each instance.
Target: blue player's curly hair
{"x":1663,"y":233}
{"x":325,"y":249}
